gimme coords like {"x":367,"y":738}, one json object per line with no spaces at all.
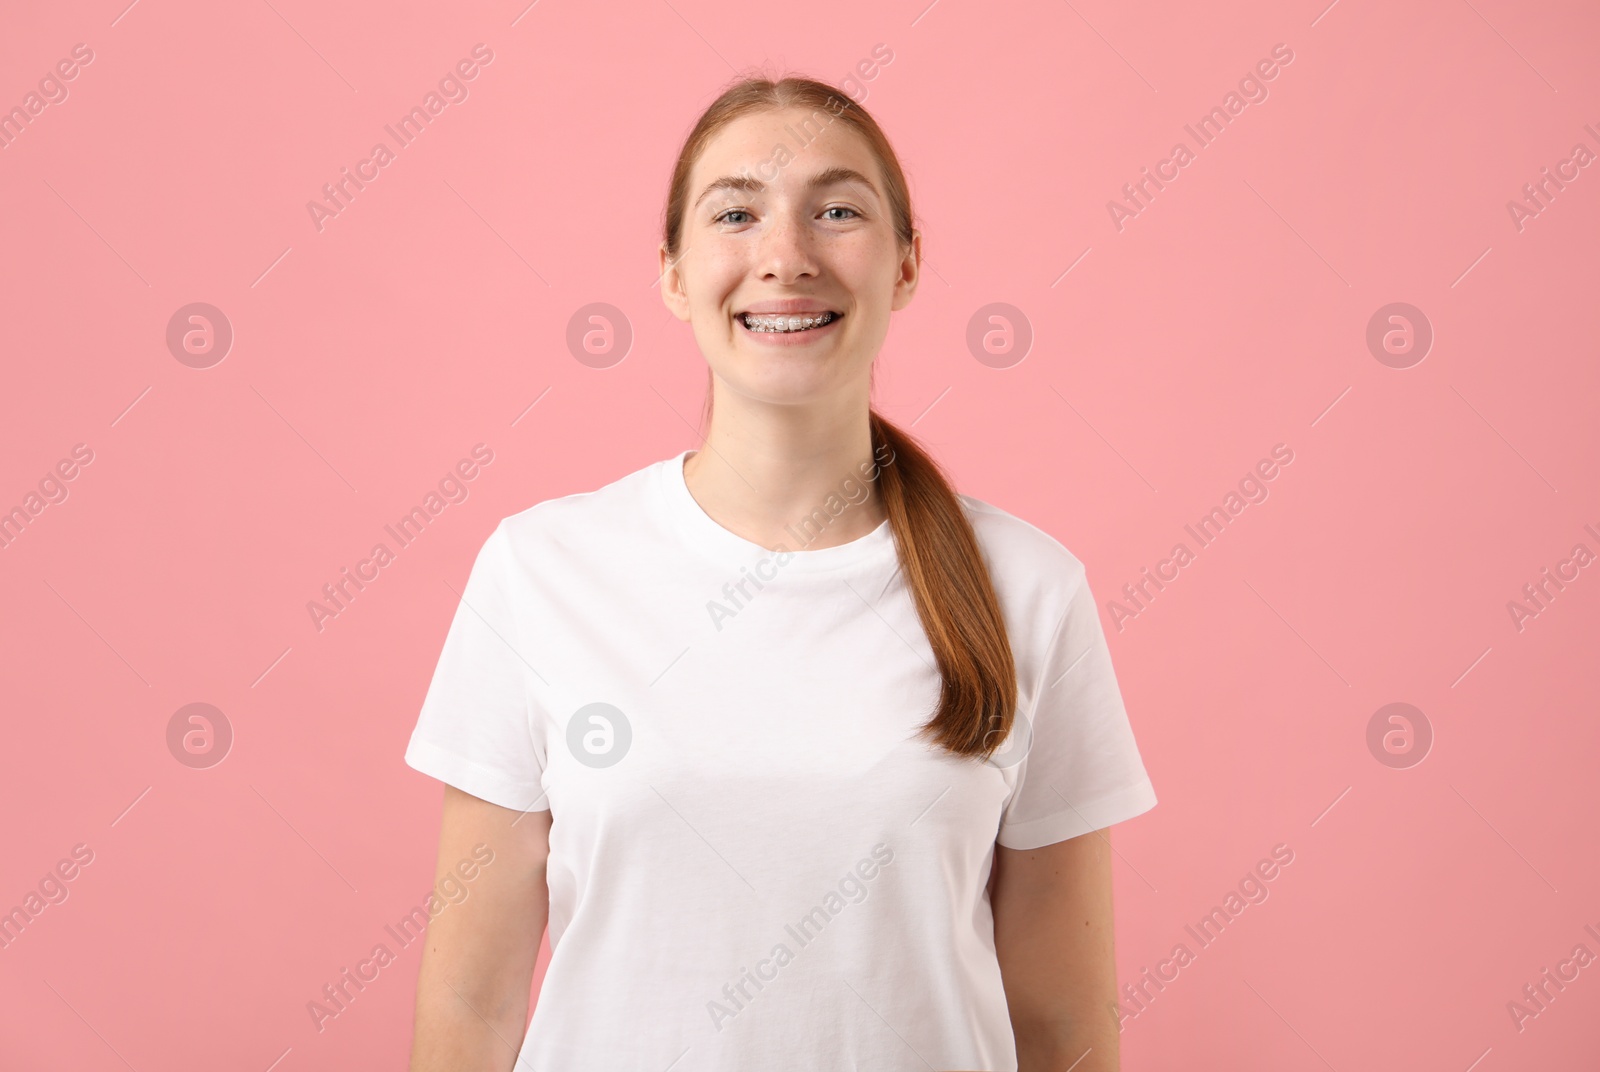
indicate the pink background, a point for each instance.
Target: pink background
{"x":431,"y":314}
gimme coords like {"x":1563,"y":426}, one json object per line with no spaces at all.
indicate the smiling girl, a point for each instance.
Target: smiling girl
{"x":862,"y":822}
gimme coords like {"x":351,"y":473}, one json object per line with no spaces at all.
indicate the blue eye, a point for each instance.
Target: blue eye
{"x":723,"y":217}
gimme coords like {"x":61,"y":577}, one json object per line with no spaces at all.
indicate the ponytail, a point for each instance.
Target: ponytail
{"x":938,"y":551}
{"x":954,"y":596}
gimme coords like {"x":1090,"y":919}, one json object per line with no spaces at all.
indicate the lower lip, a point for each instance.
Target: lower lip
{"x":789,"y":338}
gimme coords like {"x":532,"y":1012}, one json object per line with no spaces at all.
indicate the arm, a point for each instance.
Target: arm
{"x":477,"y":964}
{"x":1053,"y":936}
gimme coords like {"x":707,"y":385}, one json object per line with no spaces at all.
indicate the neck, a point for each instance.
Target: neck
{"x":799,"y":492}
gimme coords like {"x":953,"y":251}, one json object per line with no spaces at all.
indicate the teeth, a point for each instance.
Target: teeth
{"x":763,"y":322}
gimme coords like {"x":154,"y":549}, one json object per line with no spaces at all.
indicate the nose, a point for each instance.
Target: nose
{"x":786,"y":252}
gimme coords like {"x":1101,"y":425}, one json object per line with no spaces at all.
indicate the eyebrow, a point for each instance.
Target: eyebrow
{"x":826,"y":177}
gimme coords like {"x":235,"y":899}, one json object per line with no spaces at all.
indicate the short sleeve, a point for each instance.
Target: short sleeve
{"x":1081,"y":769}
{"x":475,"y":728}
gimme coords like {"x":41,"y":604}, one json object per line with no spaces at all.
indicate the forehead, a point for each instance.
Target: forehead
{"x":783,"y":149}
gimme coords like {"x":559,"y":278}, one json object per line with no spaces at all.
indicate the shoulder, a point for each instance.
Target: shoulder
{"x":580,"y":523}
{"x":1019,"y":552}
{"x":1043,"y":590}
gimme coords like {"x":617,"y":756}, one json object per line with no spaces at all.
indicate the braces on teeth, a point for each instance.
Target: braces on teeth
{"x":758,"y":322}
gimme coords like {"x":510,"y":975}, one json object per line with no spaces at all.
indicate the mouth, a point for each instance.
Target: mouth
{"x":787,"y":323}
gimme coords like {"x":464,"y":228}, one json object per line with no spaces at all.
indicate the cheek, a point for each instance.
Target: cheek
{"x":717,"y":272}
{"x":861,"y":261}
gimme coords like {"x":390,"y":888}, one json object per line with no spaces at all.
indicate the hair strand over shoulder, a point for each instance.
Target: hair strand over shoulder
{"x":937,"y":549}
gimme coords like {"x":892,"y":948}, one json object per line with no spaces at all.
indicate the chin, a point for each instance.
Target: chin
{"x":797,"y":384}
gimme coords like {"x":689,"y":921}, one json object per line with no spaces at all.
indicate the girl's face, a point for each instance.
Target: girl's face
{"x":800,"y":231}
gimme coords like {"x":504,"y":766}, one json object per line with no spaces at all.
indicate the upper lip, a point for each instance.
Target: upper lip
{"x":790,"y":306}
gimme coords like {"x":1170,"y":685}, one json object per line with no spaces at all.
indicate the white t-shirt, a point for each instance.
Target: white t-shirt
{"x":754,"y":862}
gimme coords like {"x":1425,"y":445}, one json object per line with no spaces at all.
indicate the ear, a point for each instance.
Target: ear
{"x":673,"y":294}
{"x":910,"y":273}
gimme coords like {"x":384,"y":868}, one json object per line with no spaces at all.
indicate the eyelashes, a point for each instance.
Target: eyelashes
{"x":722,"y":217}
